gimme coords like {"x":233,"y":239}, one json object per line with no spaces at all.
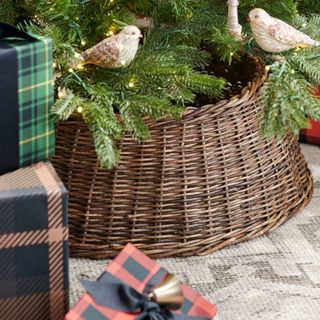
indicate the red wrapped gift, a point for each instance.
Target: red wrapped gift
{"x":135,"y":271}
{"x":312,"y":133}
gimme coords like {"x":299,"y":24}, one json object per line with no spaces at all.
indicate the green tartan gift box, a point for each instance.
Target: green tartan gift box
{"x":26,"y":93}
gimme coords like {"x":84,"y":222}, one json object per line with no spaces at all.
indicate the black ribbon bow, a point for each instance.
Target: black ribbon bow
{"x":111,"y":292}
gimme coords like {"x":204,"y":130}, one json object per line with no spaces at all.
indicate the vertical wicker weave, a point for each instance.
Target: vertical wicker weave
{"x":199,"y":184}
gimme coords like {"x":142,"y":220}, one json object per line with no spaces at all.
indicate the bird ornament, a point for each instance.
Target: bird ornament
{"x":274,"y":35}
{"x":113,"y":52}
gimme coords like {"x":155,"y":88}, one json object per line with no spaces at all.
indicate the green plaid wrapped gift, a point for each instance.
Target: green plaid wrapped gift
{"x":26,"y":91}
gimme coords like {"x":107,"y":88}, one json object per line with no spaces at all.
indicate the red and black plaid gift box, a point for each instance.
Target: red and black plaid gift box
{"x":137,"y":270}
{"x":33,"y":245}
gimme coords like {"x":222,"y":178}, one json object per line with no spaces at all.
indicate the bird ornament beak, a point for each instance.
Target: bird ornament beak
{"x":248,"y":19}
{"x":140,"y":35}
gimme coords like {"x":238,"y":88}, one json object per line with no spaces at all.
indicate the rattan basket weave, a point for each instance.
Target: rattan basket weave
{"x":199,"y":184}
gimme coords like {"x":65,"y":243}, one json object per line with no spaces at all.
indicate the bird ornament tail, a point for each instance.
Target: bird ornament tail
{"x":314,"y":44}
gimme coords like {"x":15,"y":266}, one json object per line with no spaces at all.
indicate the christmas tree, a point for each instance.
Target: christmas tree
{"x":167,"y":72}
{"x":159,"y":82}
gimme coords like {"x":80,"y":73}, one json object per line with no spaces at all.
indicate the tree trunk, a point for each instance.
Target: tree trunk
{"x":233,"y":20}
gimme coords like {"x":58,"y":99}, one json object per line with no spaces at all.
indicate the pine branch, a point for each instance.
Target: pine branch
{"x":8,"y":11}
{"x":224,"y":44}
{"x":205,"y":84}
{"x":66,"y":105}
{"x":309,"y":6}
{"x":286,"y":102}
{"x":133,"y":121}
{"x":191,"y":56}
{"x":154,"y":107}
{"x":308,"y":65}
{"x":105,"y":131}
{"x":310,"y":26}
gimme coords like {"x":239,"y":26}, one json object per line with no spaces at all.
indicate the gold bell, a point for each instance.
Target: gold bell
{"x":168,"y":292}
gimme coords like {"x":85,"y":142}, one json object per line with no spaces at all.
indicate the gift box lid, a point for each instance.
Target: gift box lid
{"x":32,"y":198}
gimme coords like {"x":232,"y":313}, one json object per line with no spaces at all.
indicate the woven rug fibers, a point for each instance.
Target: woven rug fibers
{"x":276,"y":276}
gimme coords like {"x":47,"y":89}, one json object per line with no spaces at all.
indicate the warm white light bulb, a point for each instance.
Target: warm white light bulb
{"x":80,"y":66}
{"x":131,"y":84}
{"x":79,"y":109}
{"x":70,"y":70}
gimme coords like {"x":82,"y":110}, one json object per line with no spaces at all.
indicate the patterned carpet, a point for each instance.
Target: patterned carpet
{"x":276,"y":276}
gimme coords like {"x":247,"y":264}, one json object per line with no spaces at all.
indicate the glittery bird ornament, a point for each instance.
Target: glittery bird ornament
{"x":116,"y":51}
{"x":274,"y":35}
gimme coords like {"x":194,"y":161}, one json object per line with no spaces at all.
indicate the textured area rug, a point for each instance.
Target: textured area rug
{"x":276,"y":276}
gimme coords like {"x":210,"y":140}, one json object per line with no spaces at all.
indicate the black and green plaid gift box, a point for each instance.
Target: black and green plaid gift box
{"x":33,"y":244}
{"x":26,"y":93}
